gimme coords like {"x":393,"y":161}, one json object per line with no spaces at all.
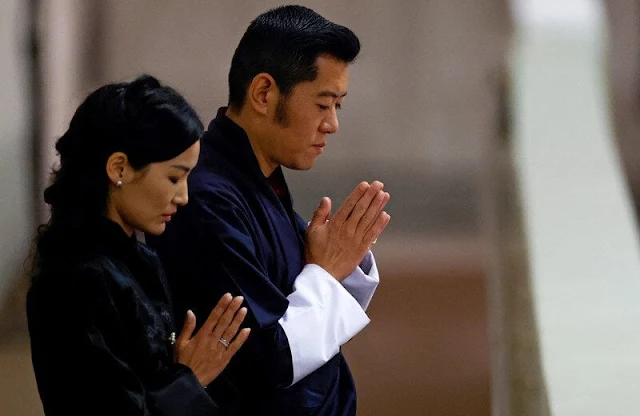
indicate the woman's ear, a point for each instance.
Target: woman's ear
{"x":118,"y":169}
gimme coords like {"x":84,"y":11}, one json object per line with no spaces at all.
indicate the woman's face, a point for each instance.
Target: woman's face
{"x":148,"y":198}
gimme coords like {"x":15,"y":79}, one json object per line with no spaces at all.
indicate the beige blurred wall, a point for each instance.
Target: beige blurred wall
{"x":423,"y":95}
{"x":16,"y":217}
{"x":401,"y":105}
{"x":423,"y":112}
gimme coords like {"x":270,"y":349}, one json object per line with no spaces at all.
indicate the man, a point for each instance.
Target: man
{"x":306,"y":288}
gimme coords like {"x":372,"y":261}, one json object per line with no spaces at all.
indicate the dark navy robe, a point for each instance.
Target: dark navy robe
{"x":238,"y":235}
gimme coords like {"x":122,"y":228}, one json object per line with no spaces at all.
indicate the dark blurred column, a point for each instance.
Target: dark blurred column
{"x":623,"y":71}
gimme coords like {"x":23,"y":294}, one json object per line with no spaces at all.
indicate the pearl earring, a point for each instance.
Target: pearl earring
{"x":119,"y":184}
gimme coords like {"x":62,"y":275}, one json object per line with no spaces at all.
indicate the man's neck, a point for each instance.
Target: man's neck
{"x":247,"y":123}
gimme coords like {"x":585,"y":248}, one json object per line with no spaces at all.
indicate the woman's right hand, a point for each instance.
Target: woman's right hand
{"x":208,"y":352}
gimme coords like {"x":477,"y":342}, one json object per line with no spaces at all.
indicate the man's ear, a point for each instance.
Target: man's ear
{"x":263,"y":94}
{"x":118,"y":169}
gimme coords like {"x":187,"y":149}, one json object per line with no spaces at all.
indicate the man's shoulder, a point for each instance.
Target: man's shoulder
{"x":215,"y":174}
{"x":214,"y":187}
{"x":206,"y":179}
{"x":216,"y":182}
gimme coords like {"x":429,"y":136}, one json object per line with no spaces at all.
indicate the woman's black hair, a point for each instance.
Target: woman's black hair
{"x":144,"y":119}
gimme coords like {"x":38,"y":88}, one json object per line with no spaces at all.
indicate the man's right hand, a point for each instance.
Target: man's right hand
{"x":338,"y":243}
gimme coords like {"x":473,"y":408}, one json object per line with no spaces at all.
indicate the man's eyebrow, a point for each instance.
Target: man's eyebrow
{"x":182,"y":167}
{"x":331,"y":94}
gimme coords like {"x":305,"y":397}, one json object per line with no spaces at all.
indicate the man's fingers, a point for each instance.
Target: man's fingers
{"x":216,"y":313}
{"x":238,"y":341}
{"x":321,"y":214}
{"x":376,"y":229}
{"x":371,"y":213}
{"x":187,"y":328}
{"x":375,"y":209}
{"x":363,"y":204}
{"x":347,"y":206}
{"x":227,"y":317}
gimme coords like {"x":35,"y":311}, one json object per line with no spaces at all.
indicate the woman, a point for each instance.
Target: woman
{"x":100,"y":320}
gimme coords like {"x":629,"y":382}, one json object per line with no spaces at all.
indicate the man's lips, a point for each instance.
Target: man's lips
{"x":320,"y":147}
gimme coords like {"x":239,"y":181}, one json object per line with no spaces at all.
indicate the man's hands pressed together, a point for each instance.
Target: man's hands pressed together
{"x":338,"y":242}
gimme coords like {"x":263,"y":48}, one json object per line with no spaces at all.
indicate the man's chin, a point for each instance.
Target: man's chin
{"x":301,"y":165}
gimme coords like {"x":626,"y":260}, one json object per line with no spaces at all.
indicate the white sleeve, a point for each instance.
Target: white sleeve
{"x":320,"y":318}
{"x":363,"y":281}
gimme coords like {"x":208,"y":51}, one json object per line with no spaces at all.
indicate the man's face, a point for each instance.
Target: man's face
{"x":302,"y":120}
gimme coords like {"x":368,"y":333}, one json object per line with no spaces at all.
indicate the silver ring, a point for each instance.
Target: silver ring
{"x":224,"y":342}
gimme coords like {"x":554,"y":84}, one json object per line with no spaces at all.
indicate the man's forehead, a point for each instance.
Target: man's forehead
{"x":332,"y":94}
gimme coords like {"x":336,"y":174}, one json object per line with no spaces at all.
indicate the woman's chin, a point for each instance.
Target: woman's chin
{"x":155,"y":229}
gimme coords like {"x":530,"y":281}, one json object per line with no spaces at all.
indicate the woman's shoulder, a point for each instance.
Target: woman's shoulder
{"x":74,"y":285}
{"x":96,"y":272}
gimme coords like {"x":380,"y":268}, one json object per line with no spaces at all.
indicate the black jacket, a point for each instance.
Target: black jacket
{"x":100,"y":322}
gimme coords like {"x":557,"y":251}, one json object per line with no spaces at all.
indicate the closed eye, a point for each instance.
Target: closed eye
{"x":174,"y":180}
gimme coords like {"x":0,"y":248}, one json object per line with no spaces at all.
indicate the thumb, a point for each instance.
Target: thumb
{"x":321,"y":214}
{"x":187,"y":328}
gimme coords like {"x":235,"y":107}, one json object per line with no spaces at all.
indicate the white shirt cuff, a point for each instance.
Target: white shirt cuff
{"x":320,"y":318}
{"x":362,"y":283}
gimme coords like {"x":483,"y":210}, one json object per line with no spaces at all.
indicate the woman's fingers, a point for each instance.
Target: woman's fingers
{"x":216,"y":313}
{"x":238,"y":341}
{"x":232,"y":329}
{"x":187,"y":329}
{"x":204,"y":353}
{"x":227,"y":317}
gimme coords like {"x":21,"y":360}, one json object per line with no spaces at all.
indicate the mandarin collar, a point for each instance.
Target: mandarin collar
{"x":108,"y":235}
{"x":231,"y":139}
{"x":227,"y":137}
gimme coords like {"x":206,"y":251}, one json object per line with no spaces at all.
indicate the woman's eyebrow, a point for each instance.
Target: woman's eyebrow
{"x":182,"y":167}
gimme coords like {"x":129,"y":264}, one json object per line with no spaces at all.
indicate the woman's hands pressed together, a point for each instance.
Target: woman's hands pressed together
{"x":209,"y":351}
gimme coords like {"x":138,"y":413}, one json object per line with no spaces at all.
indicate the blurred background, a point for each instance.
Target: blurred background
{"x":505,"y":131}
